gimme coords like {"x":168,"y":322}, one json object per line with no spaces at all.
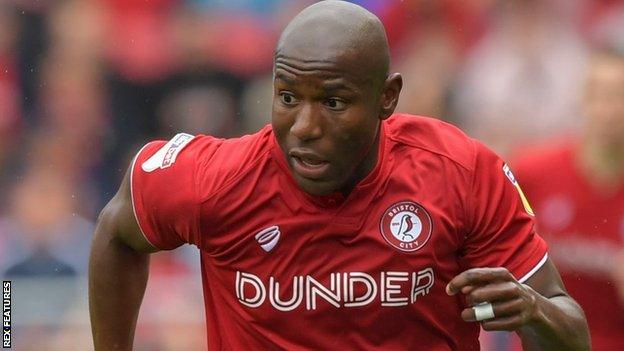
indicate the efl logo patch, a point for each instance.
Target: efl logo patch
{"x":512,"y":179}
{"x":406,"y":225}
{"x":167,"y":154}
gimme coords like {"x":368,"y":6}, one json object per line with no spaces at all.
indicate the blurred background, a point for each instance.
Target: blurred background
{"x":85,"y":83}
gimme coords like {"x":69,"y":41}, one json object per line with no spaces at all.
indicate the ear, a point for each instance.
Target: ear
{"x":390,"y":95}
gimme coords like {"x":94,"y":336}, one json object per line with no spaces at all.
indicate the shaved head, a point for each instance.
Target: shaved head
{"x":338,"y":32}
{"x":331,"y":92}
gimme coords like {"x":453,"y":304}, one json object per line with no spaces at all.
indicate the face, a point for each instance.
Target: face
{"x":326,"y":120}
{"x":604,"y":99}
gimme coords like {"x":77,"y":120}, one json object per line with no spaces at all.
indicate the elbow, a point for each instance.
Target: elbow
{"x":584,"y":341}
{"x":581,"y":340}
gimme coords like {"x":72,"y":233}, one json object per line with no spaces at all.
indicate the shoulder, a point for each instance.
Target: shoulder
{"x":221,"y":161}
{"x":199,"y":161}
{"x":234,"y":151}
{"x":170,"y":181}
{"x":184,"y":150}
{"x":439,"y":138}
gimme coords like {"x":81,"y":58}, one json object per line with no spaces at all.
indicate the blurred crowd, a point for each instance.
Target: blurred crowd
{"x":85,"y":83}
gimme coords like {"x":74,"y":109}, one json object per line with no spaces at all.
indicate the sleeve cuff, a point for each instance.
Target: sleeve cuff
{"x":535,"y":268}
{"x":136,"y":206}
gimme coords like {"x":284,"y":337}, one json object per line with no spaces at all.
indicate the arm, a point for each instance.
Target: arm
{"x":557,"y":318}
{"x":118,"y":270}
{"x":540,"y":310}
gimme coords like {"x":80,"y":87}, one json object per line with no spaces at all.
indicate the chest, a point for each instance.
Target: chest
{"x":381,"y":258}
{"x":391,"y":239}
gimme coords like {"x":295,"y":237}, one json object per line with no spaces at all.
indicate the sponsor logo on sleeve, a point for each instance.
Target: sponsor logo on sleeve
{"x":512,"y":179}
{"x":167,"y":154}
{"x":406,"y":226}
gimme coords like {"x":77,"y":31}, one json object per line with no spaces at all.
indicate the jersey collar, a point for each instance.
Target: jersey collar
{"x":336,"y":200}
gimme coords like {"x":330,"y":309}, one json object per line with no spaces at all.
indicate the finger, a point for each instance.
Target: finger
{"x":468,"y":289}
{"x":494,"y":292}
{"x":505,"y":323}
{"x":500,"y":309}
{"x":477,"y":276}
{"x":478,"y":313}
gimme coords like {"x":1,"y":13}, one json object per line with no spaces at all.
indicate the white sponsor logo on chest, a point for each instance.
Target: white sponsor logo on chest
{"x":348,"y":289}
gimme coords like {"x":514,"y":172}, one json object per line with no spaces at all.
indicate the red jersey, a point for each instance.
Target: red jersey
{"x":585,"y":232}
{"x":286,"y":270}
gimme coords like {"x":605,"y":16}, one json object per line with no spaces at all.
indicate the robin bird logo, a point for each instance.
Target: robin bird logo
{"x":406,"y":227}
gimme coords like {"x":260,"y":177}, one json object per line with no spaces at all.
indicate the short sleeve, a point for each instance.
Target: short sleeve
{"x":501,"y":222}
{"x":164,"y":192}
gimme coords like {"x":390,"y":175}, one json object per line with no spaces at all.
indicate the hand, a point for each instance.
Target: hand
{"x":514,"y":304}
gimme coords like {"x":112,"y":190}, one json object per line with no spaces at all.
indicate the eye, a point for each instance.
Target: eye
{"x":335,"y":104}
{"x":287,"y":98}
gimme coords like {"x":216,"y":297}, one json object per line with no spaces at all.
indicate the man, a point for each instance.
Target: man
{"x":340,"y":226}
{"x":577,"y":186}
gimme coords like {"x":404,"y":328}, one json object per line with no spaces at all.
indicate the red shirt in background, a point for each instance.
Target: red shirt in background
{"x":286,"y":270}
{"x":584,"y":229}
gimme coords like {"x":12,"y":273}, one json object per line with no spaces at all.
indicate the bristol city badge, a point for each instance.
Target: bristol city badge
{"x":406,"y":225}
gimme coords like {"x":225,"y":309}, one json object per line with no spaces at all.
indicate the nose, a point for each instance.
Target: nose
{"x":307,"y":123}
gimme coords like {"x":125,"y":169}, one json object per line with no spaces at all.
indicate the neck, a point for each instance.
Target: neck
{"x":365,"y":167}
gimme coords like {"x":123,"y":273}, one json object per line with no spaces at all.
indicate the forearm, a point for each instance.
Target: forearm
{"x":117,"y":280}
{"x":558,"y":324}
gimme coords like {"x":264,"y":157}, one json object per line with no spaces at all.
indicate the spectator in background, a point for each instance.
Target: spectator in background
{"x":44,"y":228}
{"x":518,"y":83}
{"x":432,"y":37}
{"x":200,"y":103}
{"x":577,"y":188}
{"x":430,"y":59}
{"x":10,"y":111}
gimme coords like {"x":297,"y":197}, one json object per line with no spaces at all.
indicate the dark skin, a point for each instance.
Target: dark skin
{"x":118,"y":271}
{"x":540,"y":310}
{"x":331,"y":92}
{"x":332,"y":89}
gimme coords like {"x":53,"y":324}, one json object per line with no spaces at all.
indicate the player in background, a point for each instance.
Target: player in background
{"x":577,"y":188}
{"x":341,"y":225}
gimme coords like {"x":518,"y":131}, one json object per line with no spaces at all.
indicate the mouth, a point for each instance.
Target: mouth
{"x":308,"y":165}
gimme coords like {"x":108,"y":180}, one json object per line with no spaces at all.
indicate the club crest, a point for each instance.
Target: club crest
{"x":406,"y":225}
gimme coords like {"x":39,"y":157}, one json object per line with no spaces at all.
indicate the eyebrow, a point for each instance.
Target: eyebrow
{"x":337,"y":86}
{"x":284,"y":78}
{"x":330,"y":86}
